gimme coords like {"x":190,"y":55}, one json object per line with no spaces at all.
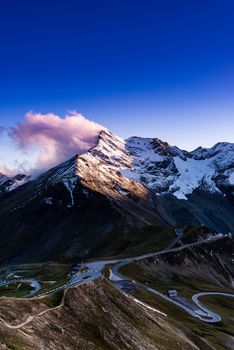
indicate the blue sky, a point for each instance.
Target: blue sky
{"x":149,"y":68}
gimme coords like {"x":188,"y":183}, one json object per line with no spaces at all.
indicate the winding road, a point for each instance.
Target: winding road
{"x":33,"y":283}
{"x":95,"y":269}
{"x":214,"y":317}
{"x":196,"y":309}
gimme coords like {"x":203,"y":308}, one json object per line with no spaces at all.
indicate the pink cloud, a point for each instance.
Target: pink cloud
{"x":5,"y":170}
{"x":57,"y":138}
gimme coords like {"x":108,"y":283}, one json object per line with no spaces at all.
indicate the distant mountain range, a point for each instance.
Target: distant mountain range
{"x":10,"y":183}
{"x":101,"y":202}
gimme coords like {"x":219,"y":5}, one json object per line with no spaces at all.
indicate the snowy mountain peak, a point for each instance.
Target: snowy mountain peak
{"x":221,"y":147}
{"x":159,"y":143}
{"x":2,"y":178}
{"x":10,"y":183}
{"x":159,"y":167}
{"x":168,"y":169}
{"x":116,"y":166}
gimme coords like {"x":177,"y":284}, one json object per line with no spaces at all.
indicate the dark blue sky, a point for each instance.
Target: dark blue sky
{"x":158,"y":68}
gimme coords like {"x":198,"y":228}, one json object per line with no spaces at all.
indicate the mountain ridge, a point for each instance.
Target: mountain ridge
{"x":159,"y":166}
{"x":102,"y":201}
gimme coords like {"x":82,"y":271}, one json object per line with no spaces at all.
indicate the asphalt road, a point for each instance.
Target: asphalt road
{"x":36,"y":286}
{"x":94,"y":270}
{"x":213,"y":316}
{"x":201,"y":312}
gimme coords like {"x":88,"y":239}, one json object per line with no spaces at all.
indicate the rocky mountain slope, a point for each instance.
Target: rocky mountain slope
{"x":10,"y":183}
{"x":161,"y":167}
{"x":105,"y":319}
{"x":167,"y":169}
{"x":101,"y":201}
{"x":150,"y":162}
{"x":203,"y":267}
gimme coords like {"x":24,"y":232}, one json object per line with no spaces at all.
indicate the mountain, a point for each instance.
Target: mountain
{"x":167,"y":169}
{"x":117,"y":195}
{"x":8,"y":183}
{"x":94,"y":315}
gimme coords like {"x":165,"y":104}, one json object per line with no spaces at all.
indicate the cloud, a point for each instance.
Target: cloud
{"x":57,"y":138}
{"x":4,"y":170}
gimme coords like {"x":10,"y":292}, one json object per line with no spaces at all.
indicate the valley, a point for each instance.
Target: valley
{"x":131,"y":287}
{"x":137,"y":220}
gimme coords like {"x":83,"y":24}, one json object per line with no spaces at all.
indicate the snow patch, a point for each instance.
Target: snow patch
{"x":70,"y":185}
{"x":48,"y":200}
{"x":231,"y":178}
{"x":192,"y":173}
{"x":18,"y":183}
{"x":145,"y":305}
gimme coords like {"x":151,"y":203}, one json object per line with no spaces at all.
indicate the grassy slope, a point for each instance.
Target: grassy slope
{"x":96,"y":316}
{"x":49,"y":275}
{"x":135,"y":242}
{"x":186,"y":273}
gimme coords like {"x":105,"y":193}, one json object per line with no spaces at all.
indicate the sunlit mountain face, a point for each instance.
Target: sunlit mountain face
{"x":102,"y":227}
{"x":129,"y":184}
{"x":116,"y":175}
